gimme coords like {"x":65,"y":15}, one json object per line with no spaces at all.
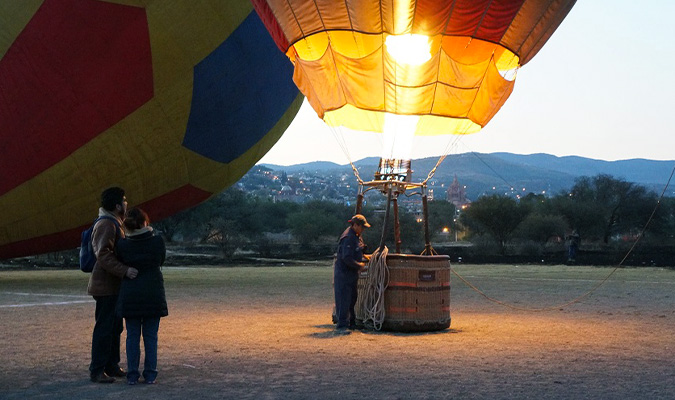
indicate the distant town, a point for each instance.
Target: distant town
{"x":337,"y":187}
{"x":460,"y":179}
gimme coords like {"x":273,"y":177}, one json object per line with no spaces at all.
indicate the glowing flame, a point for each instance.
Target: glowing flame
{"x":398,"y":135}
{"x":411,"y":49}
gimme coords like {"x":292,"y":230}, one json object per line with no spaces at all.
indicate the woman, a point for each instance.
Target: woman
{"x":141,"y":301}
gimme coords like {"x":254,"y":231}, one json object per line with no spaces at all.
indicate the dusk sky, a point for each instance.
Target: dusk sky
{"x":602,"y":87}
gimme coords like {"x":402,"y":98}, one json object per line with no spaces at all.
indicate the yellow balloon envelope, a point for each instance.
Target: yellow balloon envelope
{"x":173,"y":100}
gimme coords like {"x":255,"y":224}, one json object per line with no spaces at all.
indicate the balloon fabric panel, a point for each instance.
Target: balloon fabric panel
{"x":269,"y":20}
{"x":518,"y":25}
{"x":62,"y":97}
{"x":253,"y":105}
{"x":474,"y":54}
{"x":162,"y":206}
{"x":376,"y":83}
{"x":141,"y":146}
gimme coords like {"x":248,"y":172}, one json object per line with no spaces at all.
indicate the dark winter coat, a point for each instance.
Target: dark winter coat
{"x":144,"y":295}
{"x":349,"y":254}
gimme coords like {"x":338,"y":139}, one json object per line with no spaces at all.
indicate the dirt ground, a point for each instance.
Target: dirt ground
{"x":265,"y":333}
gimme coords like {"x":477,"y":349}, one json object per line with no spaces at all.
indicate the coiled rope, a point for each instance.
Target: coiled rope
{"x":376,"y":283}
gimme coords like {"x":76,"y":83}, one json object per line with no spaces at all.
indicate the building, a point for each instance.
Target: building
{"x":287,"y":193}
{"x":457,"y":194}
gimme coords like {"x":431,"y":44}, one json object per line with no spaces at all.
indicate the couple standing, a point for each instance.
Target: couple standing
{"x":126,"y":282}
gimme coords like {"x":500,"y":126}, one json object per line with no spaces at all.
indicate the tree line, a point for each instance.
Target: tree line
{"x":603,"y":209}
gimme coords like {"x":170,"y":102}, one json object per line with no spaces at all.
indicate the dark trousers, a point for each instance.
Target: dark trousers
{"x":105,"y":342}
{"x":572,"y":252}
{"x":148,"y":327}
{"x":345,"y":298}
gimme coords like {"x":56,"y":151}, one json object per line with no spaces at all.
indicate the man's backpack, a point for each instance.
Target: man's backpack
{"x":87,"y":255}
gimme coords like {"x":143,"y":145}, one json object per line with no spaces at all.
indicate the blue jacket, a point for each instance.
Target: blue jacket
{"x":349,"y":253}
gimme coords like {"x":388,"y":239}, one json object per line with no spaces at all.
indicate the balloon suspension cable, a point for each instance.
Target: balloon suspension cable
{"x":428,"y":249}
{"x":356,"y":173}
{"x":597,"y":285}
{"x":345,"y":149}
{"x":491,"y":169}
{"x":385,"y":224}
{"x":446,"y":151}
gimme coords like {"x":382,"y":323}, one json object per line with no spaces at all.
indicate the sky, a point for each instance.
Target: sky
{"x":602,"y":87}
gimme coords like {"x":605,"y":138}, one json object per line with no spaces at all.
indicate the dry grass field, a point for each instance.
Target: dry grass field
{"x":265,"y":333}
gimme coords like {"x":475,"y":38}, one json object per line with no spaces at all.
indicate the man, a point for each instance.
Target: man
{"x":573,"y":245}
{"x":349,"y":262}
{"x":104,"y":285}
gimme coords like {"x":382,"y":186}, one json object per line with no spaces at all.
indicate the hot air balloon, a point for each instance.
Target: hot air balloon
{"x":405,"y":67}
{"x":451,"y":63}
{"x":172,"y":100}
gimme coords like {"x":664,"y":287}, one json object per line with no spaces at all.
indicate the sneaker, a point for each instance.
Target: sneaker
{"x":132,"y":382}
{"x":151,"y":382}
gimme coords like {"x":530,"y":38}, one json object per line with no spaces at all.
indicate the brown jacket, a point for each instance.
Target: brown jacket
{"x":108,"y":271}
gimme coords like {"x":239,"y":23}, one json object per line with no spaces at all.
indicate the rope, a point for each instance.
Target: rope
{"x":597,"y":285}
{"x":429,"y":252}
{"x":492,"y":169}
{"x":447,"y":148}
{"x":376,"y":284}
{"x":446,"y":151}
{"x":345,"y":149}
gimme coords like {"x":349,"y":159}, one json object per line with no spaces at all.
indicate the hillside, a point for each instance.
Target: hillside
{"x":500,"y":172}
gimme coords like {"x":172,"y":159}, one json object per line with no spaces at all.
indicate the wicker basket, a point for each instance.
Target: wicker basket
{"x":417,"y":297}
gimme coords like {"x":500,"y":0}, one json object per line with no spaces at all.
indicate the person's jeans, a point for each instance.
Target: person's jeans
{"x":148,"y":327}
{"x":345,"y":286}
{"x":572,"y":252}
{"x":105,"y":342}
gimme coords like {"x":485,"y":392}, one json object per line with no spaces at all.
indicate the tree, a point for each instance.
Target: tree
{"x":441,"y":215}
{"x":270,"y":216}
{"x":607,"y":206}
{"x":190,"y":223}
{"x":585,"y":216}
{"x":664,"y":224}
{"x":317,"y":219}
{"x":412,"y":232}
{"x":230,"y":221}
{"x":542,"y":227}
{"x":225,"y":235}
{"x":534,"y":203}
{"x":496,"y":215}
